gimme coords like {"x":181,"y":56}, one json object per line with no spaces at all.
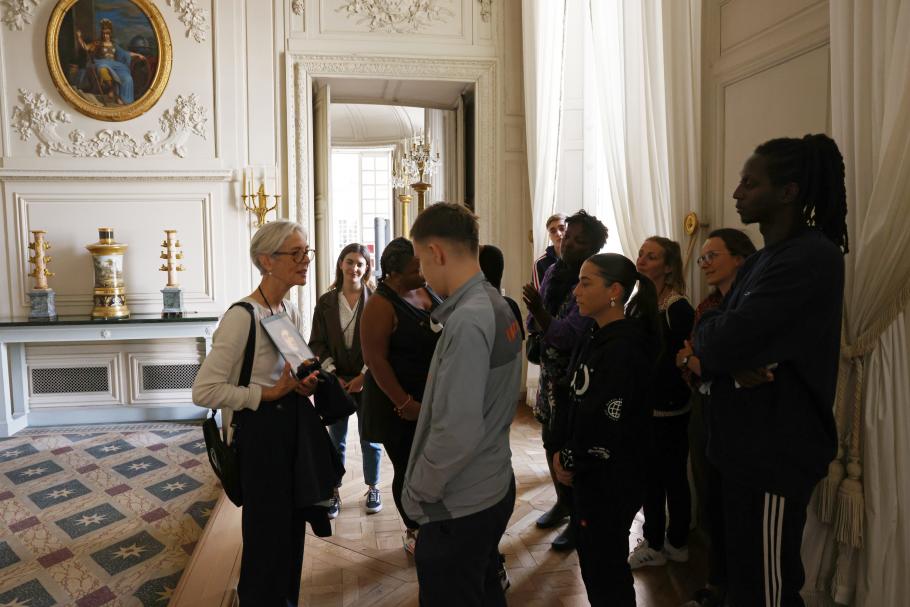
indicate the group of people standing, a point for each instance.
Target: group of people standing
{"x":620,"y":373}
{"x":432,"y":356}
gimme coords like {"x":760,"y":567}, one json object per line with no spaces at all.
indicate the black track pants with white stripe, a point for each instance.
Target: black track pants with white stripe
{"x":764,"y":533}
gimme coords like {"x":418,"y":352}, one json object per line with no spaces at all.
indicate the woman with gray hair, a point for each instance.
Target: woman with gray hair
{"x":264,"y":402}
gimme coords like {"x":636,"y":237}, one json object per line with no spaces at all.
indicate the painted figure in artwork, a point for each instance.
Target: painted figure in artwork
{"x":111,"y":63}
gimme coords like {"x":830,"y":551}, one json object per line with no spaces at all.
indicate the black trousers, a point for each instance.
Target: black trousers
{"x":273,"y":528}
{"x":668,"y":484}
{"x":458,"y":560}
{"x":717,"y":561}
{"x":399,"y":450}
{"x":764,"y":533}
{"x":606,"y":508}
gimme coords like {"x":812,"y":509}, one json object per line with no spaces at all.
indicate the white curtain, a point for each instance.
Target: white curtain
{"x":870,"y":94}
{"x":645,"y":70}
{"x":543,"y":30}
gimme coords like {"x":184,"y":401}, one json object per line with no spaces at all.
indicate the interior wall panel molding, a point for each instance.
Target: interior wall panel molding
{"x":37,"y":116}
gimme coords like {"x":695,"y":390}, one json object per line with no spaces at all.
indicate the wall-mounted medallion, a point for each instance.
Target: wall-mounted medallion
{"x":110,"y":59}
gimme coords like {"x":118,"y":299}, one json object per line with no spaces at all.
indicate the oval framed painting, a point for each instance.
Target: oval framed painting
{"x":110,"y":59}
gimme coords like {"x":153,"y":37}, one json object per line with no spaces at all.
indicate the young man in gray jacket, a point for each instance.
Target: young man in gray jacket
{"x":459,"y":483}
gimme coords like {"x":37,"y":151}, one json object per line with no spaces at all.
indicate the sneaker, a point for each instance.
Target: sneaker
{"x":504,"y":580}
{"x":645,"y":556}
{"x":678,"y":555}
{"x":334,"y":505}
{"x":374,"y":500}
{"x":409,"y":539}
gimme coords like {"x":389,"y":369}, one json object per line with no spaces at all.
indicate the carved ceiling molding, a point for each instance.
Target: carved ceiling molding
{"x":18,"y":13}
{"x":36,"y":116}
{"x":193,"y":17}
{"x":297,"y":6}
{"x":486,"y":10}
{"x":396,"y":16}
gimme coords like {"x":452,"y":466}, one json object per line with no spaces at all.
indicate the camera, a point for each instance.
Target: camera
{"x":309,"y":366}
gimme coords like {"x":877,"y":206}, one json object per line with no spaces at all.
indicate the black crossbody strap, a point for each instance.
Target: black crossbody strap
{"x":246,"y":371}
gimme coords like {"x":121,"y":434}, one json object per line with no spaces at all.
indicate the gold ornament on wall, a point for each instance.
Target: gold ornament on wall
{"x":96,"y":70}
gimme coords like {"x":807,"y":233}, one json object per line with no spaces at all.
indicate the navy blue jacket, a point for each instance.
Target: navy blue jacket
{"x":784,"y":308}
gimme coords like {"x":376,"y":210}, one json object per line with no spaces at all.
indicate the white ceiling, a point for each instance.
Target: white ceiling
{"x":438,"y":94}
{"x":373,"y":125}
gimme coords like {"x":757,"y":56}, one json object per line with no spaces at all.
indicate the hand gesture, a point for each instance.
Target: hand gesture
{"x":286,"y":383}
{"x":307,"y":385}
{"x":562,"y":475}
{"x":355,"y":385}
{"x":685,"y":352}
{"x":531,"y":296}
{"x":410,"y":412}
{"x":749,"y":378}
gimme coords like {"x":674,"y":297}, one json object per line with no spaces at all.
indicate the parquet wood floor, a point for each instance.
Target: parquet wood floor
{"x":363,"y":563}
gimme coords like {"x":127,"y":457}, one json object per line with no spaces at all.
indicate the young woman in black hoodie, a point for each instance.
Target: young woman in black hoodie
{"x":771,"y":352}
{"x":607,"y":431}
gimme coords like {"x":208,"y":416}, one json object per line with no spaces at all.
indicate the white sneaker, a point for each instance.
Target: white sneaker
{"x":645,"y":556}
{"x":678,"y":555}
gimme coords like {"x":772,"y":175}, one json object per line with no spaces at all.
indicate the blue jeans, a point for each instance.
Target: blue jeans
{"x":372,"y":452}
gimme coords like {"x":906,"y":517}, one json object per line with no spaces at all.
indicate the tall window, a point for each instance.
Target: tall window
{"x":360,"y":193}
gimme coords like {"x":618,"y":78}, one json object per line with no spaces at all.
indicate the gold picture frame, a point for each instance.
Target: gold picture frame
{"x":118,"y":73}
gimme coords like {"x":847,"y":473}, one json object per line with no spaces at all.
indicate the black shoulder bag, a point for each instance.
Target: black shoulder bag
{"x":223,"y":457}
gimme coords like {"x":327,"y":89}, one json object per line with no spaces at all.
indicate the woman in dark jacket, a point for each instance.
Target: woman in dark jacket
{"x":335,"y":340}
{"x":660,"y":260}
{"x":608,"y":427}
{"x":398,"y":343}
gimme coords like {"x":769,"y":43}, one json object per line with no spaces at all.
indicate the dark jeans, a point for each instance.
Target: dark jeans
{"x":606,"y":505}
{"x":764,"y":533}
{"x":458,"y":560}
{"x":668,"y":484}
{"x":399,"y":450}
{"x":273,"y":528}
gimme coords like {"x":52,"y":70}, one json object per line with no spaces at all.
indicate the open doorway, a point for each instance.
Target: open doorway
{"x":383,"y":150}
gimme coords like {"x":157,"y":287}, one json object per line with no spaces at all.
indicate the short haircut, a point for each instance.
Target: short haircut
{"x":593,"y":228}
{"x":492,"y":264}
{"x":270,"y":237}
{"x":555,"y":217}
{"x":449,"y":221}
{"x":396,"y":256}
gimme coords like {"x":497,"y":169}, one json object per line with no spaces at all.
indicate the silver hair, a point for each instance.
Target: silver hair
{"x":270,"y":237}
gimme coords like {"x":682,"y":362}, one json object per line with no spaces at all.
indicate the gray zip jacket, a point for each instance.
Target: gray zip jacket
{"x":460,"y":460}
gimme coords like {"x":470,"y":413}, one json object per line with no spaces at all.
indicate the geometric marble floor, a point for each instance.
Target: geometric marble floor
{"x":363,"y":564}
{"x":100,"y":515}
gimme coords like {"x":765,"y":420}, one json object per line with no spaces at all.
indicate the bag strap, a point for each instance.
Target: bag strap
{"x":246,"y":371}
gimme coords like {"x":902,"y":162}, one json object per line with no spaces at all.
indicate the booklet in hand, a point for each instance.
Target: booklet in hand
{"x":290,"y":343}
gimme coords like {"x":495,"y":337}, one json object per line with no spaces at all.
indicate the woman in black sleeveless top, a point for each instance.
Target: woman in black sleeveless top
{"x":398,"y":343}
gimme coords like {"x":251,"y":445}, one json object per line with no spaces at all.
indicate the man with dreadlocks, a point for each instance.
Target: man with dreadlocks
{"x":771,"y":353}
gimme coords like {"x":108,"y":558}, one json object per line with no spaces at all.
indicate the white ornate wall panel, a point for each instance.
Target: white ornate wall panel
{"x":71,"y":220}
{"x":444,"y":19}
{"x":766,"y":67}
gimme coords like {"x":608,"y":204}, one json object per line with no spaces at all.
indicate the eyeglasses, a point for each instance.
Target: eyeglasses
{"x":298,"y":255}
{"x":708,"y":258}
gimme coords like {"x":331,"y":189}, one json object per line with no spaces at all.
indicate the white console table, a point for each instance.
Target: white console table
{"x":15,"y":334}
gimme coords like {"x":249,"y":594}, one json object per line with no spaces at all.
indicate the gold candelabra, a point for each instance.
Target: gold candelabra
{"x":40,"y":260}
{"x":421,"y":161}
{"x":401,"y":180}
{"x":171,"y":255}
{"x":258,"y":202}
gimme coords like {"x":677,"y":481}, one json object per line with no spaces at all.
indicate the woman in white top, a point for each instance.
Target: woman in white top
{"x":266,"y":414}
{"x":335,"y":339}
